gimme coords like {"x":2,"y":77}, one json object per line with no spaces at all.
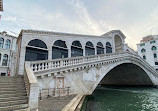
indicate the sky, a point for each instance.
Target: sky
{"x":135,"y":18}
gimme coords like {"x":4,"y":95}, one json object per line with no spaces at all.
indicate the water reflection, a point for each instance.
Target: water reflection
{"x":123,"y":99}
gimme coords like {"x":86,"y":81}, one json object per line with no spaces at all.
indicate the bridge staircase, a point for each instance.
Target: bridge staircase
{"x":13,"y":95}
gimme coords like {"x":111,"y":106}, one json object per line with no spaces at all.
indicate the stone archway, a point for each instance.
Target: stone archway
{"x":126,"y":74}
{"x":118,"y":44}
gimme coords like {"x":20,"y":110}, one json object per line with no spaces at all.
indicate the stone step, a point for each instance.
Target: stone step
{"x":14,"y":107}
{"x":11,"y":91}
{"x":3,"y":99}
{"x":25,"y":109}
{"x":12,"y":88}
{"x":17,"y":102}
{"x":14,"y":94}
{"x":11,"y":85}
{"x":11,"y":81}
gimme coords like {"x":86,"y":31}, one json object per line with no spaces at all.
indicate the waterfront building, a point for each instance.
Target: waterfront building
{"x":7,"y":54}
{"x":147,"y":49}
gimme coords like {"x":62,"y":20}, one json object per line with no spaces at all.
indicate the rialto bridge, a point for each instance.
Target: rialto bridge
{"x":81,"y":62}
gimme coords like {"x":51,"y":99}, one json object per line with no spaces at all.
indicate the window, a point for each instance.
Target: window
{"x":76,"y":49}
{"x":108,"y":48}
{"x":156,"y":63}
{"x":144,"y":57}
{"x":89,"y":49}
{"x":152,"y":42}
{"x":153,"y":48}
{"x":36,"y":50}
{"x":3,"y":74}
{"x":5,"y":60}
{"x":7,"y":44}
{"x":59,"y":50}
{"x":155,"y":55}
{"x":0,"y":58}
{"x":1,"y":42}
{"x":143,"y":50}
{"x":143,"y":44}
{"x":100,"y":48}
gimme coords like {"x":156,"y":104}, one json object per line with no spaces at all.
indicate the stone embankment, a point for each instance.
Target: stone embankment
{"x":54,"y":103}
{"x":75,"y":104}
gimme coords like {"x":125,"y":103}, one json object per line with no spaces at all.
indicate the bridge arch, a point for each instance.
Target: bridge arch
{"x":100,"y":48}
{"x":59,"y":49}
{"x":89,"y":49}
{"x":76,"y":49}
{"x":36,"y":49}
{"x":112,"y":71}
{"x":118,"y":43}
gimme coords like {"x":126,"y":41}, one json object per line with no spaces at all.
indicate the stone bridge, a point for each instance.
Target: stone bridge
{"x":83,"y":74}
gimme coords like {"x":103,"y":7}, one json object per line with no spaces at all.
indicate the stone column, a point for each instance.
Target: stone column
{"x":50,"y":54}
{"x":95,"y":50}
{"x":22,"y":60}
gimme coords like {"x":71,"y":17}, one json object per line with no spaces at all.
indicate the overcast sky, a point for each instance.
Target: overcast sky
{"x":135,"y":18}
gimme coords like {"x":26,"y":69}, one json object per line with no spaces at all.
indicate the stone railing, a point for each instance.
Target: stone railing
{"x":31,"y":86}
{"x":38,"y":66}
{"x":58,"y":63}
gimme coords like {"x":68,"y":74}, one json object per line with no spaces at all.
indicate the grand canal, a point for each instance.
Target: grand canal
{"x":123,"y":99}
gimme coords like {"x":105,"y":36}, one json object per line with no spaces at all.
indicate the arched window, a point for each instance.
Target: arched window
{"x":108,"y":48}
{"x":76,"y":49}
{"x":155,"y":55}
{"x":5,"y":60}
{"x":7,"y":44}
{"x":36,"y":50}
{"x":153,"y":48}
{"x":89,"y":49}
{"x":0,"y":58}
{"x":144,"y":57}
{"x":143,"y":50}
{"x":100,"y":48}
{"x":1,"y":42}
{"x":59,"y":50}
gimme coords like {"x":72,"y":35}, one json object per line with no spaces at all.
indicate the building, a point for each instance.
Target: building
{"x":7,"y":54}
{"x":147,"y":49}
{"x":1,"y":5}
{"x":34,"y":45}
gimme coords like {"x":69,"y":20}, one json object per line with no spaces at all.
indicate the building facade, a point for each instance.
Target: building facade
{"x":34,"y":45}
{"x":147,"y":49}
{"x":7,"y":54}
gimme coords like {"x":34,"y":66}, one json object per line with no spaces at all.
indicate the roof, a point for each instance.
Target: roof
{"x":1,"y":5}
{"x":5,"y":34}
{"x":55,"y":33}
{"x":114,"y":31}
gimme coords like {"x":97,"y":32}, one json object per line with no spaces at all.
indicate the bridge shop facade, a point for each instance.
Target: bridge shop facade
{"x":36,"y":45}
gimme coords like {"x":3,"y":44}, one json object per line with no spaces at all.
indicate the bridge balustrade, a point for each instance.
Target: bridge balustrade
{"x":58,"y":63}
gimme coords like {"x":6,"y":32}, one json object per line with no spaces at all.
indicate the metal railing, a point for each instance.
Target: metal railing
{"x":56,"y":92}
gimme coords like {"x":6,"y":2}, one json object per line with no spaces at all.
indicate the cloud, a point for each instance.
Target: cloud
{"x":134,"y":19}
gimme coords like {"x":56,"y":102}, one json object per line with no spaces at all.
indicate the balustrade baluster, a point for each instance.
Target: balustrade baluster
{"x":49,"y":65}
{"x":32,"y":66}
{"x":35,"y":67}
{"x":42,"y":66}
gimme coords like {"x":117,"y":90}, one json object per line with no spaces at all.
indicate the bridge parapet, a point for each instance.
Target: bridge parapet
{"x":45,"y":65}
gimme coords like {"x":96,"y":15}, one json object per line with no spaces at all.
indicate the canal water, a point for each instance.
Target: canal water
{"x":122,"y":99}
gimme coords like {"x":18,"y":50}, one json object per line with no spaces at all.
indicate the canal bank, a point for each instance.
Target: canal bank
{"x":118,"y":98}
